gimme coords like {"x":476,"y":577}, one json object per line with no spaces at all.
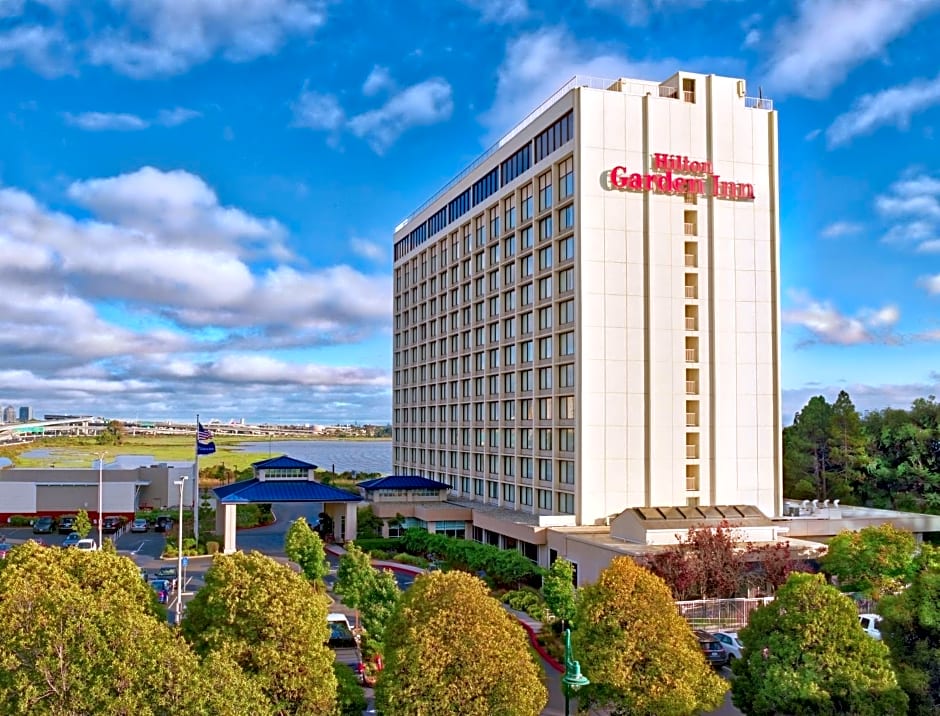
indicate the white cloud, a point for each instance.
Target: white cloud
{"x":893,"y":106}
{"x":422,"y":104}
{"x":931,"y":284}
{"x":500,"y":11}
{"x":912,"y":204}
{"x":841,"y":228}
{"x":176,"y":116}
{"x":44,"y":49}
{"x":368,"y":249}
{"x":104,"y":121}
{"x":816,"y":50}
{"x":318,"y":111}
{"x":812,"y":134}
{"x":379,"y":79}
{"x":752,"y":38}
{"x":865,"y":397}
{"x":638,"y":12}
{"x":826,"y":324}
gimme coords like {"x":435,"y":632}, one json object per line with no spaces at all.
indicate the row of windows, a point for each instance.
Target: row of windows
{"x":490,"y":411}
{"x":496,"y":384}
{"x":546,"y":142}
{"x":491,"y":437}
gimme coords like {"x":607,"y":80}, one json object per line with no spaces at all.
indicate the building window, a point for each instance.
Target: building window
{"x":525,"y":322}
{"x":545,"y":288}
{"x":566,"y":178}
{"x":566,"y":407}
{"x":545,"y":318}
{"x":566,"y":375}
{"x":525,"y":295}
{"x":566,"y":280}
{"x":545,"y":499}
{"x":509,"y":410}
{"x":525,"y":496}
{"x":526,"y":266}
{"x":525,"y":381}
{"x":566,"y":472}
{"x":525,"y":352}
{"x":509,"y":493}
{"x":545,"y":408}
{"x":566,"y":218}
{"x":509,"y":246}
{"x":545,"y":441}
{"x":545,"y":228}
{"x":526,"y":238}
{"x":509,"y":436}
{"x":545,"y":348}
{"x":478,"y":487}
{"x":545,"y":191}
{"x":566,"y":439}
{"x":566,"y":344}
{"x":545,"y":258}
{"x":525,"y":443}
{"x":566,"y":312}
{"x":526,"y":202}
{"x":509,"y":213}
{"x":525,"y":467}
{"x":565,"y":503}
{"x":545,"y":470}
{"x":525,"y":410}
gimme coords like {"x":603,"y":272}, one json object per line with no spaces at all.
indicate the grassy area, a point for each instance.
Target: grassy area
{"x":81,"y":452}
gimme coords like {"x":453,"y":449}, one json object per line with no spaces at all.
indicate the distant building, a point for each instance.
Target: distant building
{"x":9,"y":414}
{"x":26,"y":414}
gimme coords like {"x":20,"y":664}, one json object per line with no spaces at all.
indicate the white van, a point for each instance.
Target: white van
{"x":88,"y":545}
{"x":871,"y":625}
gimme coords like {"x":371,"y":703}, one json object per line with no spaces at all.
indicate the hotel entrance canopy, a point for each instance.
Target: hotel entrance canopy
{"x":284,"y":479}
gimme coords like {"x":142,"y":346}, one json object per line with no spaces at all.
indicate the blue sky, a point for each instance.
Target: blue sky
{"x":197,"y":196}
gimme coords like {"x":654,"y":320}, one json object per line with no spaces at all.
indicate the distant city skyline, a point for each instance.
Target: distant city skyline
{"x":196,"y":212}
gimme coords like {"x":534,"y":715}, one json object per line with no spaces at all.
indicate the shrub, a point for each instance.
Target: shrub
{"x":350,"y":700}
{"x":372,"y":544}
{"x":212,"y":547}
{"x":527,"y":601}
{"x":20,"y":521}
{"x":411,"y":559}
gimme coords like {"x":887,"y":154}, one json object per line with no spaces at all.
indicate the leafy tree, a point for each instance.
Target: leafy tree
{"x":367,"y":524}
{"x":272,"y":623}
{"x":805,"y":653}
{"x":113,"y":433}
{"x":354,"y":575}
{"x":706,"y":564}
{"x":874,"y":561}
{"x":304,"y":546}
{"x":350,"y":701}
{"x":452,"y":649}
{"x":775,"y":561}
{"x":848,"y":446}
{"x":81,"y":633}
{"x":638,"y":652}
{"x":559,"y":590}
{"x":82,"y":524}
{"x":809,"y":436}
{"x":378,"y":602}
{"x":911,"y":629}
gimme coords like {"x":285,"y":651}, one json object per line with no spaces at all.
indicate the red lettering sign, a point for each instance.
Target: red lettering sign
{"x":663,"y":179}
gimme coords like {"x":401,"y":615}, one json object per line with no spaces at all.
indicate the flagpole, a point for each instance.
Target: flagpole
{"x":196,"y":485}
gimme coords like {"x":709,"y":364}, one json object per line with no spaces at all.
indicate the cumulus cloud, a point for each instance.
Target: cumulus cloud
{"x":44,"y":49}
{"x":379,"y":79}
{"x":838,"y":229}
{"x":815,"y":51}
{"x":912,"y":206}
{"x":865,"y":397}
{"x":931,"y":284}
{"x":891,"y":107}
{"x":421,"y":104}
{"x":368,"y":249}
{"x":125,"y":122}
{"x":155,"y":298}
{"x":638,"y":12}
{"x":824,"y":323}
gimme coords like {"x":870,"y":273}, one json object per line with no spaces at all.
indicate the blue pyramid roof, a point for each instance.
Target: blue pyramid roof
{"x":282,"y":461}
{"x":403,"y":482}
{"x":255,"y":490}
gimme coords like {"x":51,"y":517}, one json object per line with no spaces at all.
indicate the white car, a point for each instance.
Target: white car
{"x":88,"y":545}
{"x":730,"y":643}
{"x":871,"y":624}
{"x":140,"y":525}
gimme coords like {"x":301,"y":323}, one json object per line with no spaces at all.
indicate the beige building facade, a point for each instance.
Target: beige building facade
{"x":587,"y":319}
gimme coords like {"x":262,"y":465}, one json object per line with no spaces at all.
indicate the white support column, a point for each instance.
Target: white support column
{"x":229,"y":531}
{"x":352,"y":523}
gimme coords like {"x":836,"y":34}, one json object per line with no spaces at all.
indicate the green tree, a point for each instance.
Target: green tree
{"x":805,"y":653}
{"x":848,"y":446}
{"x":304,"y":546}
{"x":367,"y":524}
{"x":638,"y":652}
{"x":559,"y":590}
{"x":350,"y":701}
{"x":809,"y":438}
{"x":272,"y":623}
{"x":874,"y":561}
{"x":911,"y":629}
{"x":82,"y":524}
{"x":354,"y":575}
{"x":81,"y":633}
{"x":378,"y":602}
{"x":113,"y":433}
{"x":452,"y":649}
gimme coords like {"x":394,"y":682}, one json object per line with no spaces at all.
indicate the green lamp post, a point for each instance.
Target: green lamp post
{"x":573,"y":678}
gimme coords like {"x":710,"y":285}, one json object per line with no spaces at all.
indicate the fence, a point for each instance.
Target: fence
{"x":720,"y":614}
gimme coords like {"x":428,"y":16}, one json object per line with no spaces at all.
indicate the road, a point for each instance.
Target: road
{"x":145,"y":550}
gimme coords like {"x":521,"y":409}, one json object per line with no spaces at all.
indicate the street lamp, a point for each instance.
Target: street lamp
{"x":573,"y":678}
{"x":179,"y":555}
{"x":101,"y":456}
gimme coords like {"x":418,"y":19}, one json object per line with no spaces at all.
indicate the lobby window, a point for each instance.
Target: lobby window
{"x":526,"y":202}
{"x":566,"y":407}
{"x":566,"y":375}
{"x":566,"y":218}
{"x":565,"y":503}
{"x":545,"y":191}
{"x":566,"y":178}
{"x":566,"y":280}
{"x":566,"y":312}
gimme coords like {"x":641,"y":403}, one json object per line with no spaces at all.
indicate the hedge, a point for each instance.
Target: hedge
{"x":379,"y":544}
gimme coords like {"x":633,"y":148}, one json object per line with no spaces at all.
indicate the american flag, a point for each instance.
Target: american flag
{"x":204,"y":444}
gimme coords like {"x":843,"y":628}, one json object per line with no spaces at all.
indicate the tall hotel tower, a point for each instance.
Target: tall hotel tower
{"x":587,"y":318}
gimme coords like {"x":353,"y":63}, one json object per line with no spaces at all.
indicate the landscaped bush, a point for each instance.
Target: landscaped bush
{"x":212,"y":547}
{"x":411,"y":559}
{"x":247,"y":516}
{"x":20,"y":521}
{"x":524,"y":600}
{"x":371,"y":544}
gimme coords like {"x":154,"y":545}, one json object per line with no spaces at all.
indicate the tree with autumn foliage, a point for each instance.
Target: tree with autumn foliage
{"x":639,"y":653}
{"x":272,"y":623}
{"x":805,"y":653}
{"x":451,"y":648}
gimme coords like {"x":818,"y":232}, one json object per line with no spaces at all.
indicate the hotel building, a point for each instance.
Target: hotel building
{"x":586,"y":319}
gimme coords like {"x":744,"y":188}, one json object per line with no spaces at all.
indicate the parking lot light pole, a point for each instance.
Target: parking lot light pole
{"x":101,"y":456}
{"x":179,"y":556}
{"x":573,"y":678}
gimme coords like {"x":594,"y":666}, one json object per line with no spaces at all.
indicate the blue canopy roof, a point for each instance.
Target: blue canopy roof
{"x":255,"y":490}
{"x":282,"y":461}
{"x":403,"y":482}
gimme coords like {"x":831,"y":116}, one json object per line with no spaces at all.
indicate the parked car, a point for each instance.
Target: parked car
{"x":140,"y":525}
{"x":73,"y":539}
{"x":871,"y":625}
{"x":711,"y":647}
{"x":345,"y":646}
{"x":86,"y":545}
{"x":163,"y":524}
{"x":44,"y":526}
{"x":66,"y":524}
{"x":730,"y":643}
{"x":167,"y":573}
{"x":111,"y":524}
{"x":4,"y":548}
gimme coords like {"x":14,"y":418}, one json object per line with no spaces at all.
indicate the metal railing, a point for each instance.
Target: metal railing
{"x":691,"y":324}
{"x":691,"y":355}
{"x":690,"y":228}
{"x":691,"y":292}
{"x":758,"y":103}
{"x":688,"y":96}
{"x":720,"y":614}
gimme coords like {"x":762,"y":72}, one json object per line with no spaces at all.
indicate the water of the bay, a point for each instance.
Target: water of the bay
{"x":332,"y":455}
